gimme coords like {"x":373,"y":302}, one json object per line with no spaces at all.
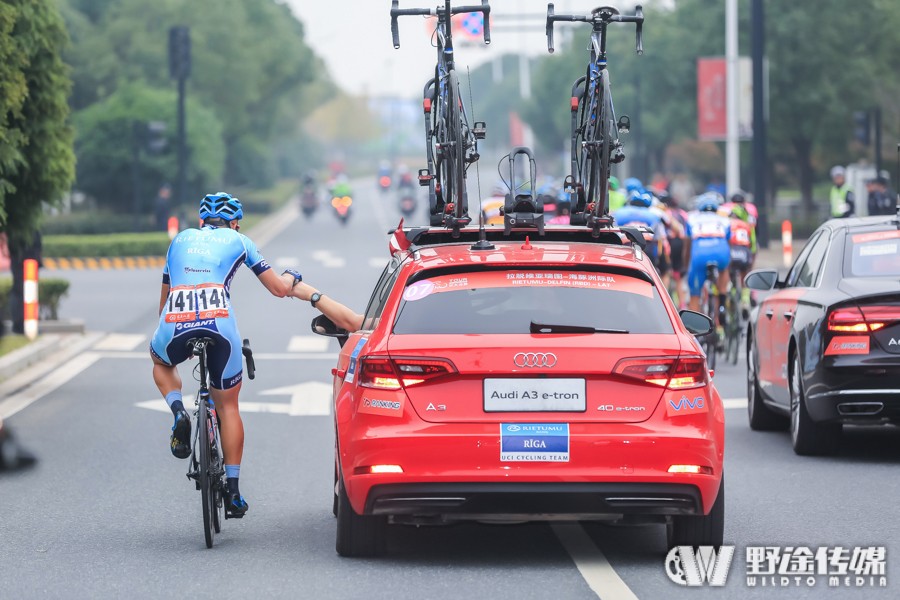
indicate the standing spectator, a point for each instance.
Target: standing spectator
{"x":881,"y":201}
{"x":841,"y":198}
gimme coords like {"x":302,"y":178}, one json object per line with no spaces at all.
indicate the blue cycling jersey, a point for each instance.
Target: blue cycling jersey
{"x":630,"y":216}
{"x":200,"y":266}
{"x":710,"y":235}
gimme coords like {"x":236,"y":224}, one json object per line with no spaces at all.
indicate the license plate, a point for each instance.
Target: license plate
{"x":534,"y":395}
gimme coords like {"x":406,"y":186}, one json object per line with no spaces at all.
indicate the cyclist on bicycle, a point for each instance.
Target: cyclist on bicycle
{"x":195,"y":302}
{"x":710,"y":235}
{"x":679,"y":247}
{"x":743,"y":248}
{"x":638,"y":212}
{"x":617,"y":198}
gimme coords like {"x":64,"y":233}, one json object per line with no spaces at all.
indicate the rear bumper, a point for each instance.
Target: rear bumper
{"x":856,"y":406}
{"x":533,"y":501}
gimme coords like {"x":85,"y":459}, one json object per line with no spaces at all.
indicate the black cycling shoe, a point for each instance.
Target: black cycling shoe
{"x":180,"y":441}
{"x":235,"y":506}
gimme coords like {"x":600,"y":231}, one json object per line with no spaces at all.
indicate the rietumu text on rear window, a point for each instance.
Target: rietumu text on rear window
{"x":495,"y":302}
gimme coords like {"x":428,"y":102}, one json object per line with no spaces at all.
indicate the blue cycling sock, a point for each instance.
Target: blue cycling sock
{"x":173,"y":399}
{"x":232,"y":471}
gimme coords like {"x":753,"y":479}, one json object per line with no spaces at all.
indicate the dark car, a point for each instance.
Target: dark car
{"x":824,"y":348}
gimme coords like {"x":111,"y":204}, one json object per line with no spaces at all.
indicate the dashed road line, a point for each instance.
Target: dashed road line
{"x":328,"y":259}
{"x":120,"y":341}
{"x":377,"y":263}
{"x":730,"y":403}
{"x":308,"y":343}
{"x":592,"y":563}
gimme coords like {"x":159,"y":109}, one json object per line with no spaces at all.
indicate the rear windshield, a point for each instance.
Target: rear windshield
{"x":874,"y":254}
{"x":508,"y":301}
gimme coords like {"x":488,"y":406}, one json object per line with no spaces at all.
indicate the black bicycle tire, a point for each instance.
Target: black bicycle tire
{"x":734,"y":326}
{"x":204,"y":471}
{"x":218,"y":502}
{"x":457,"y":169}
{"x":606,"y":132}
{"x":712,"y":341}
{"x":588,"y":131}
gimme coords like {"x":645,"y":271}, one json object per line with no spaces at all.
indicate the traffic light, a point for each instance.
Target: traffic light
{"x":180,"y":52}
{"x":861,"y":127}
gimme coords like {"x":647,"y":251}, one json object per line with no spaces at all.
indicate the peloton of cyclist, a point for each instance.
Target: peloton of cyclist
{"x":638,"y":212}
{"x":195,"y":301}
{"x":710,"y":234}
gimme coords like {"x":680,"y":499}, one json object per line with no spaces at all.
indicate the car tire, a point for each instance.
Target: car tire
{"x":358,"y":535}
{"x":760,"y":416}
{"x":808,"y":437}
{"x":703,"y":530}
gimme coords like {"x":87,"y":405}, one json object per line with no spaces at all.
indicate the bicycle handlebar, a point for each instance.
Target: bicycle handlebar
{"x":637,"y":18}
{"x":248,"y":356}
{"x":396,"y":11}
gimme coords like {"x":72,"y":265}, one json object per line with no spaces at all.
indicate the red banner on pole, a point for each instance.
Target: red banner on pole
{"x":712,"y":123}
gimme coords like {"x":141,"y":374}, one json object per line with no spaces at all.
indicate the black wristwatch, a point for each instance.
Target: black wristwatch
{"x":315,"y":298}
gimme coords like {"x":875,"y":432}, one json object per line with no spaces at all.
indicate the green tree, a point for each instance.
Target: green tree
{"x":36,"y":159}
{"x":251,"y":66}
{"x":109,"y":132}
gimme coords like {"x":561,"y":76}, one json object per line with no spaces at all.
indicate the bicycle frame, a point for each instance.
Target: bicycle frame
{"x":595,"y":128}
{"x":446,"y":131}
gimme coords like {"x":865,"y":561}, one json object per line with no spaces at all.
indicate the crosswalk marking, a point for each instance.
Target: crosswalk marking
{"x":308,"y":343}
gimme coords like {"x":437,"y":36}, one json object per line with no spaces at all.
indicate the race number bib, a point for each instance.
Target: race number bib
{"x":190,"y":303}
{"x":711,"y":229}
{"x":742,"y":237}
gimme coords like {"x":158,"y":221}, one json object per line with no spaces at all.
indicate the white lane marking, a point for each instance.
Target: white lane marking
{"x":310,"y":398}
{"x":120,"y":341}
{"x":287,"y":262}
{"x":377,"y":263}
{"x":59,"y":376}
{"x":592,"y":563}
{"x":308,"y":343}
{"x":328,"y":260}
{"x":256,"y":355}
{"x":734,"y":403}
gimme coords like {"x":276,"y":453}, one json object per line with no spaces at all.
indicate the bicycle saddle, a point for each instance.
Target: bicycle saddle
{"x":601,"y":10}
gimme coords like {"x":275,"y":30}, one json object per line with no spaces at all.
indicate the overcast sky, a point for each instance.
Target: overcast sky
{"x":354,"y":39}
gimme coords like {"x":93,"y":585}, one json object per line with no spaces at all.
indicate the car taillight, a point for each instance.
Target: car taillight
{"x":864,"y":320}
{"x":390,"y":374}
{"x":673,"y":373}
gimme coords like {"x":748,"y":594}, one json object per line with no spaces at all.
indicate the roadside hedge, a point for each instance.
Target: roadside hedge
{"x":51,"y":291}
{"x":154,"y":243}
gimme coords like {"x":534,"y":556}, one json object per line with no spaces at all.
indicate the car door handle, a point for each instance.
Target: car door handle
{"x":788,"y":315}
{"x":338,"y":373}
{"x":769,"y":313}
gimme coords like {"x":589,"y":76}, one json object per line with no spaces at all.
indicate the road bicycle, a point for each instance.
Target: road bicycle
{"x":708,"y":296}
{"x":207,"y":463}
{"x":595,"y":129}
{"x":733,"y":326}
{"x":451,"y":145}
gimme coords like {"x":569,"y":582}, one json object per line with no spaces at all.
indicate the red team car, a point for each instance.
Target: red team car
{"x":525,"y":380}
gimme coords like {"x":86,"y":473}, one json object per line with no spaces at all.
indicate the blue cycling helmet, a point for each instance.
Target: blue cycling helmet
{"x":222,"y":206}
{"x":710,"y":201}
{"x":633,"y":183}
{"x":641,"y":198}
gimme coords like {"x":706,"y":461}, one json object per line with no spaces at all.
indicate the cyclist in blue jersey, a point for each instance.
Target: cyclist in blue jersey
{"x":638,"y":212}
{"x":710,"y":235}
{"x":195,"y":301}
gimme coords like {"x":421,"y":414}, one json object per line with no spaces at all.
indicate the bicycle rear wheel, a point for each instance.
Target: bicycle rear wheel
{"x":206,"y":480}
{"x":218,"y":471}
{"x":733,"y":315}
{"x":454,"y":156}
{"x":711,"y":342}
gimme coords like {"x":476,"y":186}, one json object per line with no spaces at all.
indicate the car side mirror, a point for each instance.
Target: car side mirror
{"x":762,"y":280}
{"x":696,"y":323}
{"x":322,"y":325}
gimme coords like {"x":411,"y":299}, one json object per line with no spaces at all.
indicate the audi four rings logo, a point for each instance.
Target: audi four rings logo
{"x":535,"y":359}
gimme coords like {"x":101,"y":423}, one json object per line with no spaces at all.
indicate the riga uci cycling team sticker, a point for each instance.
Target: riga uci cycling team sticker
{"x":848,"y":344}
{"x":547,"y":278}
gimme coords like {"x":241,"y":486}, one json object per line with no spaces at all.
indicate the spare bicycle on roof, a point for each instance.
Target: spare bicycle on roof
{"x":452,"y":145}
{"x":595,"y":129}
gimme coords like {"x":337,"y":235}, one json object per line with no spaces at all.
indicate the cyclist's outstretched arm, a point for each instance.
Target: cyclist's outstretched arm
{"x":278,"y":285}
{"x":340,"y":315}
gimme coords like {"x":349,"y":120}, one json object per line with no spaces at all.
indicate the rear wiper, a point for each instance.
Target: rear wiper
{"x":549,"y":328}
